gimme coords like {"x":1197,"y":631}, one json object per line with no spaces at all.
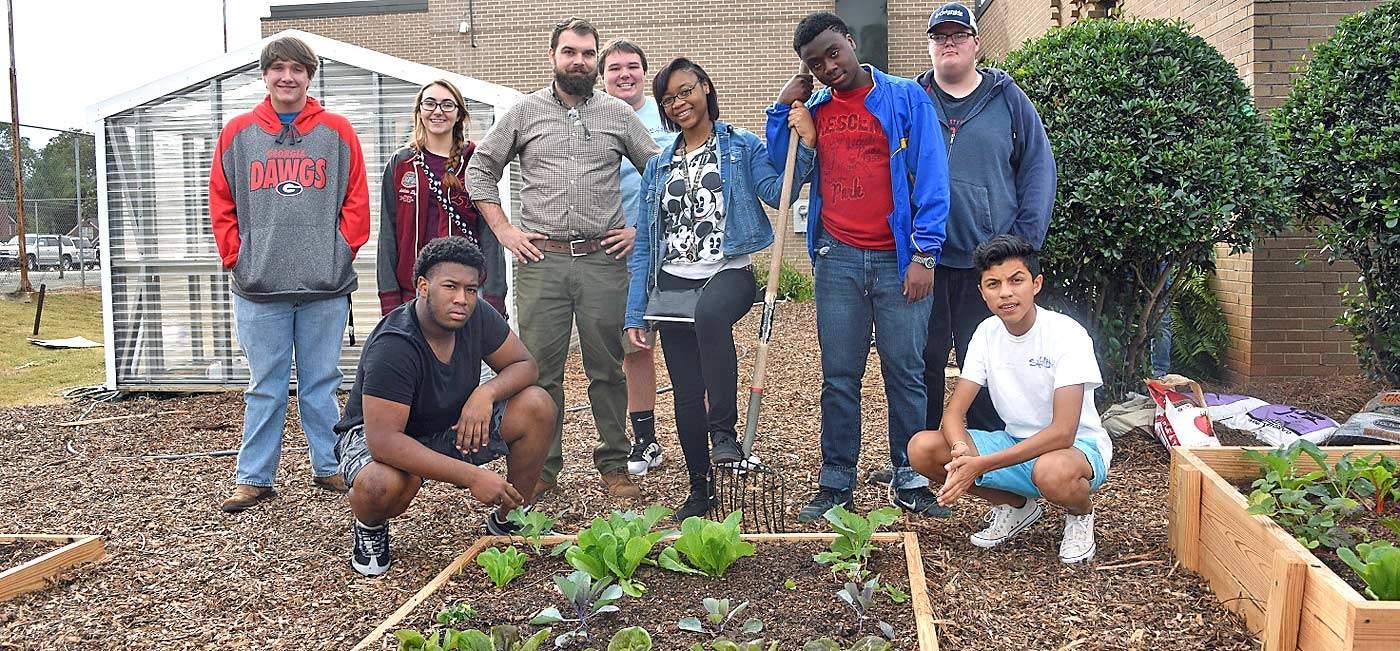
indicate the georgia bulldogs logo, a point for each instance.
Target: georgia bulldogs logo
{"x":288,"y":172}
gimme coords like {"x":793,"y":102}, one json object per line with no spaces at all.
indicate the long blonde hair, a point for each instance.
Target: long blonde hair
{"x":419,"y":140}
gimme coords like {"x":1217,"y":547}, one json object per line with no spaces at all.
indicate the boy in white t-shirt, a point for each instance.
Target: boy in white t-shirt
{"x":1041,"y":371}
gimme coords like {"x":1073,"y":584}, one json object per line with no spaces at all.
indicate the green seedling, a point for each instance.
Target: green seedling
{"x":1382,"y":480}
{"x":456,"y":615}
{"x":585,"y":598}
{"x":852,"y":548}
{"x":502,"y":566}
{"x":709,"y":547}
{"x":1378,"y":564}
{"x":632,"y":638}
{"x":859,"y":598}
{"x":894,"y":593}
{"x":730,"y":645}
{"x":533,"y":524}
{"x":871,"y":643}
{"x":719,"y":614}
{"x":790,"y":584}
{"x":501,"y":638}
{"x":615,"y":547}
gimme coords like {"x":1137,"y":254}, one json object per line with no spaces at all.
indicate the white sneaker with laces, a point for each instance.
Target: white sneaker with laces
{"x":644,"y":457}
{"x":1006,"y":521}
{"x":1078,"y":544}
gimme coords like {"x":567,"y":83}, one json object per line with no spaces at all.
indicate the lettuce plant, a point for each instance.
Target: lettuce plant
{"x":501,"y":638}
{"x":709,"y":547}
{"x":501,"y":566}
{"x":615,"y":547}
{"x":456,"y":615}
{"x":1378,"y":564}
{"x":533,"y":524}
{"x":870,"y":643}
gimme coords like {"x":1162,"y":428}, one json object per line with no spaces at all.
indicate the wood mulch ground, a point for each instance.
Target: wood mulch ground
{"x":181,"y":574}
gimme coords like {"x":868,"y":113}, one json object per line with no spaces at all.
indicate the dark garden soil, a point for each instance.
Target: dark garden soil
{"x":14,"y":554}
{"x":181,"y":574}
{"x":791,"y":617}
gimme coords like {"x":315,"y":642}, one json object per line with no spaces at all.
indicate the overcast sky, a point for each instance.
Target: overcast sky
{"x":74,"y":53}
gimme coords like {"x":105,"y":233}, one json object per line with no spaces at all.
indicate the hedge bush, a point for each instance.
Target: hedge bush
{"x":1161,"y":155}
{"x":1340,"y":128}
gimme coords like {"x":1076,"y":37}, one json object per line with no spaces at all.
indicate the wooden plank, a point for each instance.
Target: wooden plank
{"x":1236,"y":538}
{"x":1229,"y":462}
{"x":41,"y":537}
{"x":427,"y":591}
{"x":1284,"y":609}
{"x":1184,"y":517}
{"x":1232,"y":594}
{"x":918,"y":589}
{"x":37,"y":573}
{"x":1375,"y":625}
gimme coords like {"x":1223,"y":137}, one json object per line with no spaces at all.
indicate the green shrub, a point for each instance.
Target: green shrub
{"x":793,"y":285}
{"x":1160,"y":156}
{"x":1341,"y":130}
{"x":1200,"y":334}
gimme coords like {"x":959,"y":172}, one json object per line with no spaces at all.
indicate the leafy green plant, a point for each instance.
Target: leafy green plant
{"x":456,"y":615}
{"x":615,"y":547}
{"x":1200,"y":334}
{"x":501,"y":638}
{"x":502,"y":566}
{"x":793,"y":285}
{"x":585,"y":598}
{"x":730,"y":645}
{"x":1169,"y":158}
{"x":859,"y":598}
{"x":790,"y":584}
{"x":1383,"y":482}
{"x":1378,"y":564}
{"x":1337,"y":128}
{"x":895,"y":594}
{"x":719,"y":614}
{"x":533,"y":524}
{"x":870,"y":643}
{"x":852,"y":548}
{"x":632,"y":638}
{"x":1393,"y":524}
{"x":709,"y":546}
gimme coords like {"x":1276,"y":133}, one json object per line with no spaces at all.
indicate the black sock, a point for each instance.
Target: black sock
{"x":643,"y":425}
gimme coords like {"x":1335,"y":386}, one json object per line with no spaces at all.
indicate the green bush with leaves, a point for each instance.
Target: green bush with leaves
{"x":1160,"y":156}
{"x":793,"y":285}
{"x":1200,"y":333}
{"x":1340,"y":129}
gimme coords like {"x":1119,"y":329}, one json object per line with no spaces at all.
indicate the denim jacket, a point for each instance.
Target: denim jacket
{"x":748,"y":176}
{"x":918,"y":165}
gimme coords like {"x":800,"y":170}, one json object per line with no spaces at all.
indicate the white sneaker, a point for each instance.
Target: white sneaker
{"x":1005,"y":522}
{"x":1078,"y":544}
{"x":644,"y":457}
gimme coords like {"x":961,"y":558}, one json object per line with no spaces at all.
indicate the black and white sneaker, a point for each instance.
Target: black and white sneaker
{"x":499,"y":524}
{"x":919,"y":501}
{"x":646,"y":454}
{"x":369,"y":552}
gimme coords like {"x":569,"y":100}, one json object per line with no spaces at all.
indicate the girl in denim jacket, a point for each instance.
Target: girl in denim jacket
{"x":701,"y":222}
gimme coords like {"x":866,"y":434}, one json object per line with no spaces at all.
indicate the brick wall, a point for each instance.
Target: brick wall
{"x":1005,"y":24}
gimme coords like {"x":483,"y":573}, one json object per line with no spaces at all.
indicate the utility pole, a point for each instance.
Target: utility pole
{"x":78,"y":194}
{"x":24,"y":286}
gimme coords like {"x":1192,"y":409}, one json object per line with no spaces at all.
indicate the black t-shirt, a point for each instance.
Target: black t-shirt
{"x":398,"y":365}
{"x":955,"y":109}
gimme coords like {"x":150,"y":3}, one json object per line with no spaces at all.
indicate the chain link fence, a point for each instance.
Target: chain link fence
{"x":62,"y":246}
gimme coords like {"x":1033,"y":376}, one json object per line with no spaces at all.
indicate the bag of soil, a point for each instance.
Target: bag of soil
{"x":1378,"y":423}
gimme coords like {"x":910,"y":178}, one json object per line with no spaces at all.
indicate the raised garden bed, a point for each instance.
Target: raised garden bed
{"x":29,"y":562}
{"x":1258,"y":569}
{"x":793,"y":595}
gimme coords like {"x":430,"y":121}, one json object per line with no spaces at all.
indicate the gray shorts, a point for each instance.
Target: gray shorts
{"x":352,"y":451}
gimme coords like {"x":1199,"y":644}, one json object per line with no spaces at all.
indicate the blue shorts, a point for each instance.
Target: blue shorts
{"x":1017,"y":479}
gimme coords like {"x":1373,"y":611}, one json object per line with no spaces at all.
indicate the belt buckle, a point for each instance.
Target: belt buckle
{"x":574,"y":253}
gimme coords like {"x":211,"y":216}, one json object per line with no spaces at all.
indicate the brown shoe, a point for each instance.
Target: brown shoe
{"x":245,"y":497}
{"x":333,"y":483}
{"x":619,"y":484}
{"x":543,"y":487}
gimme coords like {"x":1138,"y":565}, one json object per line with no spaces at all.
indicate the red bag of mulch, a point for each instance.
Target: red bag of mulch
{"x":1182,"y":419}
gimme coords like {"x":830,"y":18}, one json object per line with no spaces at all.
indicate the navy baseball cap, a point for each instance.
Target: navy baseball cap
{"x":953,"y":12}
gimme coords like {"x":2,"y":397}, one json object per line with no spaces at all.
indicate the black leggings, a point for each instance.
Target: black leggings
{"x":701,"y":361}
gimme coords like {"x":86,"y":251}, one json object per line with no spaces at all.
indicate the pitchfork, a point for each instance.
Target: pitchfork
{"x":751,"y":485}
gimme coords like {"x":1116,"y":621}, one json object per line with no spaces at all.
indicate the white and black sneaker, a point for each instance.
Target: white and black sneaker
{"x":369,"y":553}
{"x":646,"y":454}
{"x":1078,"y":543}
{"x":1004,"y":522}
{"x":499,"y":524}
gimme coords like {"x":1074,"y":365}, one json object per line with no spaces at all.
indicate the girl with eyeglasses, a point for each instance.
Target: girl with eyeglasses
{"x":701,"y":222}
{"x":424,"y":197}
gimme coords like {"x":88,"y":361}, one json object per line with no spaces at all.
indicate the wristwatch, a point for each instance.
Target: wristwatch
{"x":926,"y":261}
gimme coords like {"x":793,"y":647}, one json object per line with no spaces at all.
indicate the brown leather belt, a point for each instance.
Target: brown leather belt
{"x":572,"y":247}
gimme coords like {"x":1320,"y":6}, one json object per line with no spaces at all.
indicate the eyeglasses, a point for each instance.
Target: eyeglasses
{"x":683,"y":93}
{"x":958,"y":38}
{"x":429,"y":105}
{"x":577,"y":121}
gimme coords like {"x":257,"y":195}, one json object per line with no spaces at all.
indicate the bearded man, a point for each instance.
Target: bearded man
{"x":570,"y":240}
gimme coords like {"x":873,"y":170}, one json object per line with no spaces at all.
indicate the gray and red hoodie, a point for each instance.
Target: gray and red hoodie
{"x":289,"y":204}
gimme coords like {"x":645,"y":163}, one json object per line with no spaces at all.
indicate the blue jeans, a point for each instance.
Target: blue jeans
{"x":272,"y":335}
{"x":855,"y":289}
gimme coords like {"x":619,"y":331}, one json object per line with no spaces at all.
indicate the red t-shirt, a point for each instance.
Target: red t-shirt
{"x":854,"y":159}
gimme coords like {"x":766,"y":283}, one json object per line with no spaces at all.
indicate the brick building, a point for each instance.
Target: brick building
{"x":1280,"y":314}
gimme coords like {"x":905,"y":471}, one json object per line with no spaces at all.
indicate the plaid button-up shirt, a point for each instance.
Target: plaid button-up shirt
{"x":569,"y":159}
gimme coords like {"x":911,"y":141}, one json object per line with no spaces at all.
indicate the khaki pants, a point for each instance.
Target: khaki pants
{"x":553,"y":294}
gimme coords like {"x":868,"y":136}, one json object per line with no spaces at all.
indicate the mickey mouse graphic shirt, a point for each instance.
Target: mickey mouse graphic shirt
{"x":692,"y":208}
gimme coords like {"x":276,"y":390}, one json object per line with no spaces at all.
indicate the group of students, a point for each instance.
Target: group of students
{"x":948,"y":178}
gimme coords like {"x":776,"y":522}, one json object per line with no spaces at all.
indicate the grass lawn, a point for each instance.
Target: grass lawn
{"x":33,"y":375}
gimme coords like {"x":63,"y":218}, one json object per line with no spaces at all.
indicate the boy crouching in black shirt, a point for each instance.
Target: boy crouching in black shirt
{"x":419,"y":409}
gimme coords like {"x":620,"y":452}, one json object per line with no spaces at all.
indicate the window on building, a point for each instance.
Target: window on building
{"x":869,"y":23}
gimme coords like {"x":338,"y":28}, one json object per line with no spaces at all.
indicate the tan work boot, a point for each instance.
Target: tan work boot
{"x":619,"y":484}
{"x":245,"y":497}
{"x":333,"y":483}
